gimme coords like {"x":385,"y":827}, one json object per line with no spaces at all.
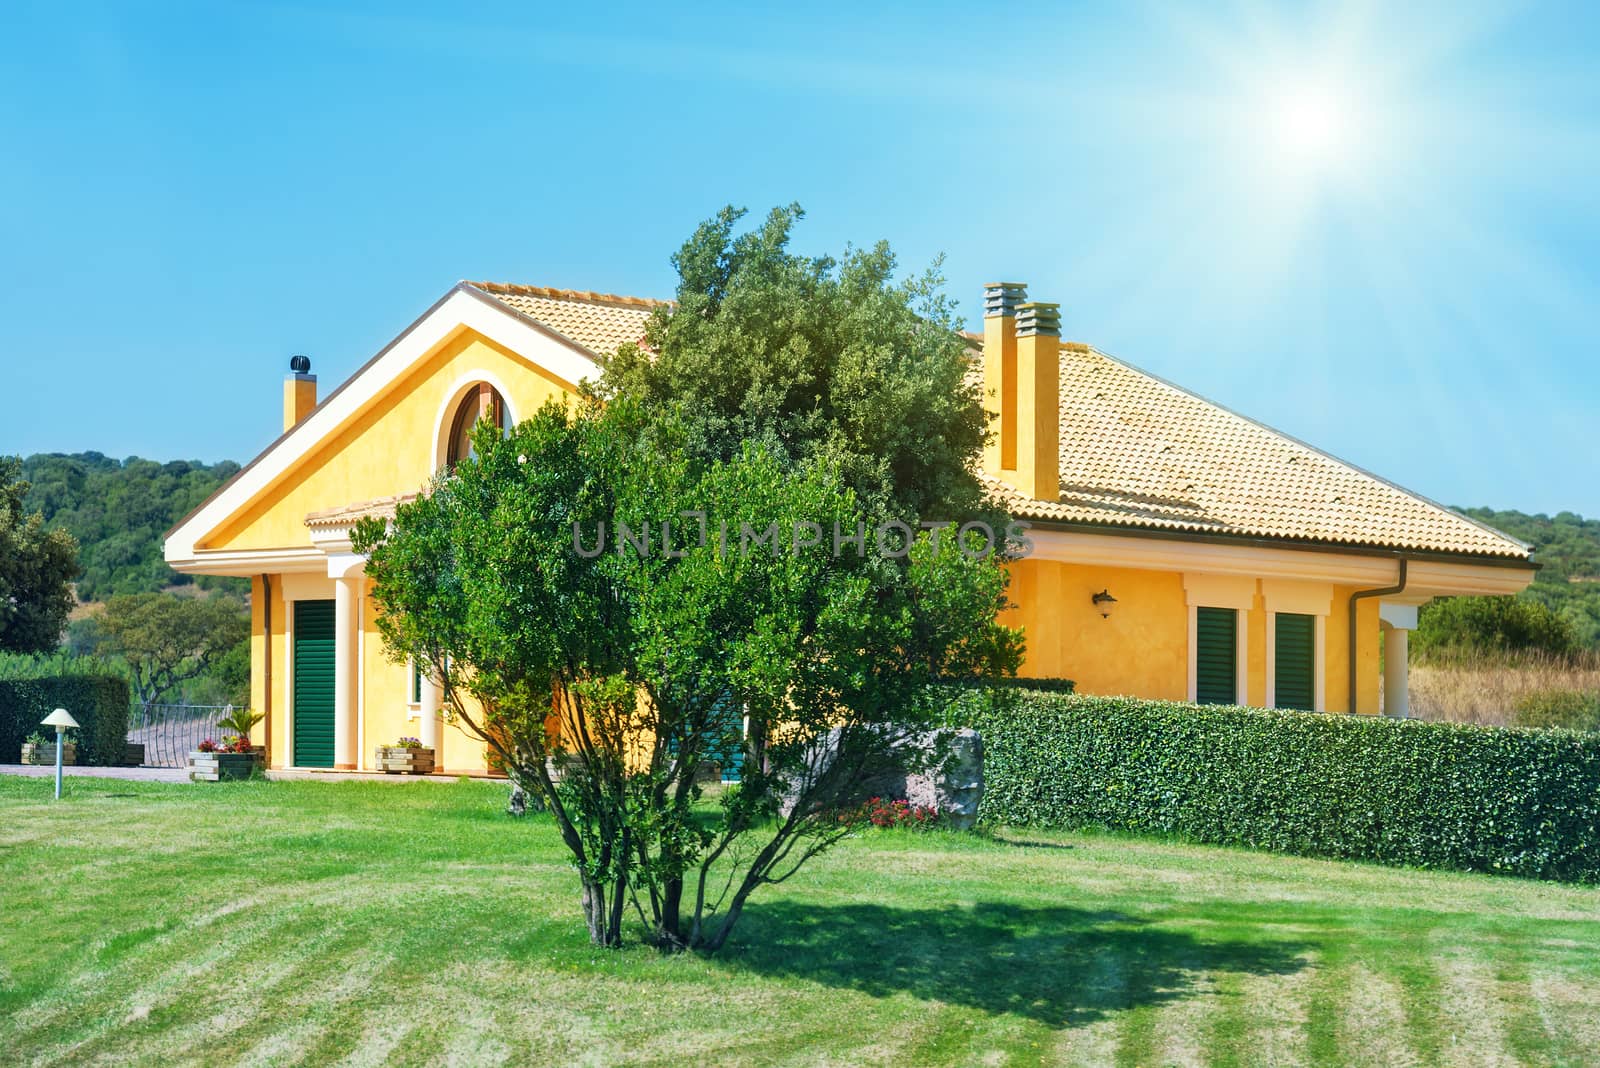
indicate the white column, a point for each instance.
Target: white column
{"x":1398,"y":621}
{"x":1396,"y":695}
{"x":432,"y":696}
{"x":346,"y":634}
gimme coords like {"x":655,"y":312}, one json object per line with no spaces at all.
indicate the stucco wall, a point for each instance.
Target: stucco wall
{"x":388,"y":449}
{"x":1143,"y":648}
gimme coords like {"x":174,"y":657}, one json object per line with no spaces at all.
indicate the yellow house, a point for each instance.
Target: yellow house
{"x":1178,"y":550}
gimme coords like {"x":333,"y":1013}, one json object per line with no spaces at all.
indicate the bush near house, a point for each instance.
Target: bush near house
{"x":1042,"y":685}
{"x":1571,"y":709}
{"x":1432,"y":795}
{"x":32,"y":687}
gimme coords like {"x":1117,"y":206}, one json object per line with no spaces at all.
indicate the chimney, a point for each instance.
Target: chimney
{"x":299,"y":392}
{"x":1038,"y":467}
{"x":1000,"y":300}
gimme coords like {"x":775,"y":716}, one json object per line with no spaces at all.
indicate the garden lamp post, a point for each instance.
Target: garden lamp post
{"x":60,"y":719}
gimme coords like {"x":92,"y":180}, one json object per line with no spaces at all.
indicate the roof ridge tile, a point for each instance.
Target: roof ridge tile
{"x":586,"y":296}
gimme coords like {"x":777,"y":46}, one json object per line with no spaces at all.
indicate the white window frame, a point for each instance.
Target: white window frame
{"x":1313,"y":599}
{"x":1221,"y":591}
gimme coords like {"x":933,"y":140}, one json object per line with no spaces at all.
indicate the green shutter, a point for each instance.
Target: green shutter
{"x":1294,"y":663}
{"x":732,"y":744}
{"x":313,"y":684}
{"x":1216,"y":675}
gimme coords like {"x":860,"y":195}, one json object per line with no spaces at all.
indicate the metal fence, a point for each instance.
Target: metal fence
{"x":169,"y":732}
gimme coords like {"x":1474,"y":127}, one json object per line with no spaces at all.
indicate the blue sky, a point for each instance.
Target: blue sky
{"x":1377,"y":229}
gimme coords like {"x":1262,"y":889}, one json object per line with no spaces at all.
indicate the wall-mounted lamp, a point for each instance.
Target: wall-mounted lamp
{"x":1103,"y":603}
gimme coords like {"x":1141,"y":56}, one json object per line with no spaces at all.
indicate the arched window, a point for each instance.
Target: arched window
{"x":482,"y":401}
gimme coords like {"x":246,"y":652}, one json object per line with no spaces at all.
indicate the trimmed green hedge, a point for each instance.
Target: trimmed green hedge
{"x":1430,"y":795}
{"x":1041,"y":685}
{"x":95,"y":694}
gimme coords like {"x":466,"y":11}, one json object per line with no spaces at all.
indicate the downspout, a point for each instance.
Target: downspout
{"x":1385,"y":591}
{"x":266,"y":625}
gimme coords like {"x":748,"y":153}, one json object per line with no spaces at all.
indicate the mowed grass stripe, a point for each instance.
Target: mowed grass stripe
{"x":373,"y":923}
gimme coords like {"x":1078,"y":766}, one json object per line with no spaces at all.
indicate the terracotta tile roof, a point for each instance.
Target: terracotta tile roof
{"x":1138,"y":451}
{"x":599,"y":322}
{"x":347,"y":514}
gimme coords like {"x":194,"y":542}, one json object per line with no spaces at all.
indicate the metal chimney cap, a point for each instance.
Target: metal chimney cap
{"x":1038,"y":317}
{"x":300,"y":365}
{"x":1000,"y":299}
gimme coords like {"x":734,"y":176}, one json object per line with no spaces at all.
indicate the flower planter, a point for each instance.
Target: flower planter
{"x":398,"y":760}
{"x":218,"y":767}
{"x":46,"y":754}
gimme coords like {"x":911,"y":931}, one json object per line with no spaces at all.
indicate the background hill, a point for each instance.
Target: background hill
{"x":119,"y":510}
{"x":1568,"y":546}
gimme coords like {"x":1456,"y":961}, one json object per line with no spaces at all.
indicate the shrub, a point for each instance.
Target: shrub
{"x":1007,"y":682}
{"x":239,"y":722}
{"x":883,"y":812}
{"x":1455,"y":626}
{"x":1559,"y":708}
{"x":1395,"y":791}
{"x":96,"y":695}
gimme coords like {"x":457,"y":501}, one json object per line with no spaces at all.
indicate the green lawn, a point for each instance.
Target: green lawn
{"x":367,"y":923}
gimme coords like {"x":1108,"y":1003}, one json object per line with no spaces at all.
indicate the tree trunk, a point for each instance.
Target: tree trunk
{"x":671,"y":934}
{"x":729,"y":918}
{"x":602,"y":912}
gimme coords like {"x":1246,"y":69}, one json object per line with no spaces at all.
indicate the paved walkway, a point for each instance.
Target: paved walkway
{"x":378,"y":776}
{"x":48,"y":771}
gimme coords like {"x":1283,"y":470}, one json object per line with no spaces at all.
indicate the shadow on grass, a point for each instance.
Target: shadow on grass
{"x":1062,"y":967}
{"x":1027,"y":843}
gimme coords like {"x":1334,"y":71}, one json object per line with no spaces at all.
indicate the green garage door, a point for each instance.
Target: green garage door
{"x":313,"y":684}
{"x":1294,"y":663}
{"x":1216,"y":660}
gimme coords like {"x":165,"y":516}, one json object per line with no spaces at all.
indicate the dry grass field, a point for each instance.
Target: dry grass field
{"x":1486,"y":689}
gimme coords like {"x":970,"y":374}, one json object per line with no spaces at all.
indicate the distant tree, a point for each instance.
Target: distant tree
{"x":84,"y":636}
{"x":1492,"y":625}
{"x":37,"y":567}
{"x":167,"y":640}
{"x":226,"y":681}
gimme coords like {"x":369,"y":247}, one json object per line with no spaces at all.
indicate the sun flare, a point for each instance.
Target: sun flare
{"x":1311,"y":125}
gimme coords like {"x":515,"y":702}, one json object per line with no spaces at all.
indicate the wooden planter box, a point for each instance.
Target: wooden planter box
{"x":396,"y":759}
{"x":218,"y":767}
{"x":133,"y":755}
{"x":46,"y":754}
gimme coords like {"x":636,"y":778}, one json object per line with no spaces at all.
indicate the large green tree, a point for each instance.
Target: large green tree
{"x":815,"y":357}
{"x":772,"y":472}
{"x":37,"y":567}
{"x":593,"y":572}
